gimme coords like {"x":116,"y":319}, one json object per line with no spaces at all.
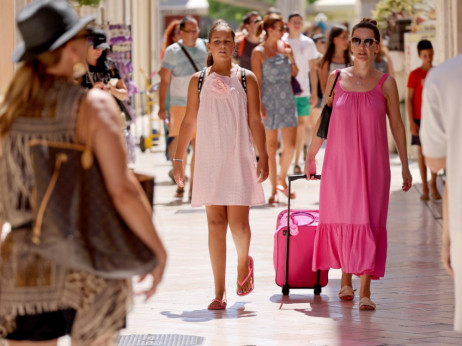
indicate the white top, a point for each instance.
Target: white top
{"x":441,"y":136}
{"x":304,"y":50}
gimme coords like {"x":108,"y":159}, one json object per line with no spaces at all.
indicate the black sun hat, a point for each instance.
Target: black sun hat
{"x":46,"y":25}
{"x":99,"y":39}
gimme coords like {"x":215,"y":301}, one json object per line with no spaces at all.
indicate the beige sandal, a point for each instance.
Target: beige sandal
{"x":346,"y":293}
{"x":365,"y":304}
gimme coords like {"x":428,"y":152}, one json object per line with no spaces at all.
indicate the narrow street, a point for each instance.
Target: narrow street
{"x":414,"y":301}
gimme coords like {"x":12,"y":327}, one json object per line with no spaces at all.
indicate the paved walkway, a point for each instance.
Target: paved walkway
{"x":414,"y":300}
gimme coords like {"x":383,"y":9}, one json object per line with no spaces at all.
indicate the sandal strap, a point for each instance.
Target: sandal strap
{"x":246,"y":278}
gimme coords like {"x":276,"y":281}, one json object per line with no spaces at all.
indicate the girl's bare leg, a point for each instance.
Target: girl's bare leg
{"x":217,"y":219}
{"x":272,"y":147}
{"x":238,"y":217}
{"x":288,"y":138}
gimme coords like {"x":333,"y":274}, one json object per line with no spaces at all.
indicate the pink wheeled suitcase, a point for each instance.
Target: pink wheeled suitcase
{"x":293,"y":251}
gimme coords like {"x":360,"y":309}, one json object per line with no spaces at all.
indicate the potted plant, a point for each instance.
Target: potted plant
{"x":394,"y":18}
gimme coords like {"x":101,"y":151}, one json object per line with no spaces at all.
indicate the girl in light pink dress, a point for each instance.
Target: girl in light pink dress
{"x":355,"y":183}
{"x":224,"y":102}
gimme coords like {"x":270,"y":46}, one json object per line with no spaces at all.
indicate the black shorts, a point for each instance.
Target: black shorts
{"x":415,"y":140}
{"x":44,"y":326}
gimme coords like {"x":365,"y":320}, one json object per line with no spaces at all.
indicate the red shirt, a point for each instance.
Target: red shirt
{"x":416,"y":81}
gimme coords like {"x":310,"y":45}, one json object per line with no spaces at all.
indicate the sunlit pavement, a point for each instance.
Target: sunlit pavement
{"x":414,"y":300}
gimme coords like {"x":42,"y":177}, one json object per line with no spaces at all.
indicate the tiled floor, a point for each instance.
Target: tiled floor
{"x":414,"y":300}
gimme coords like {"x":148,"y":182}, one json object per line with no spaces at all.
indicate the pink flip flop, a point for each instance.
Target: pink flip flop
{"x":220,"y":306}
{"x":249,"y":275}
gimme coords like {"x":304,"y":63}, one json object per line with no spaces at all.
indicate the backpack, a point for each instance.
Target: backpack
{"x":202,"y":76}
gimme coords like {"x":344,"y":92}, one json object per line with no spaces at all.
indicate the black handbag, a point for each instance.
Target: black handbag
{"x":326,"y":113}
{"x":296,"y":87}
{"x":76,"y":223}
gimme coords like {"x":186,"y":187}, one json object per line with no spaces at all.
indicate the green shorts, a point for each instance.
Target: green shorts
{"x":303,"y":106}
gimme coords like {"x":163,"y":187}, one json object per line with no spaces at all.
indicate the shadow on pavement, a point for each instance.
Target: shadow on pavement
{"x":237,"y":310}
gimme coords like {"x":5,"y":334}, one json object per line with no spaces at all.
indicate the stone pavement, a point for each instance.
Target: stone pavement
{"x":415,"y":303}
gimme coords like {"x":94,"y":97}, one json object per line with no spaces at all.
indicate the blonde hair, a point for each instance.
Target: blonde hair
{"x":268,"y":22}
{"x":24,"y":89}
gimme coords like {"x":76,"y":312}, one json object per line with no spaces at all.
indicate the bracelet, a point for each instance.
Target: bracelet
{"x":179,"y":160}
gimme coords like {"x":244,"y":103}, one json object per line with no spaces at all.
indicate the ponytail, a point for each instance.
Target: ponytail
{"x":259,"y":28}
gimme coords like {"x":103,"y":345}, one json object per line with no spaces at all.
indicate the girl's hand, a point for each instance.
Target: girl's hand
{"x":178,"y":173}
{"x":262,"y":169}
{"x":310,"y":169}
{"x":407,"y":179}
{"x":157,"y":273}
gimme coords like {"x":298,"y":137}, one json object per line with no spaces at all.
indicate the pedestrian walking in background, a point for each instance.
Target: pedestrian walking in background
{"x":441,"y":142}
{"x":181,"y":60}
{"x":102,"y":72}
{"x":40,"y":299}
{"x":320,"y":41}
{"x":415,"y":86}
{"x":274,"y":65}
{"x":337,"y":54}
{"x":355,"y":183}
{"x":247,"y":42}
{"x":305,"y":54}
{"x":382,"y":61}
{"x":171,"y":35}
{"x":224,"y":102}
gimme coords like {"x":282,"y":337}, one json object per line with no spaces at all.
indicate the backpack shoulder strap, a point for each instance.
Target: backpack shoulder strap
{"x":244,"y":79}
{"x":201,"y":80}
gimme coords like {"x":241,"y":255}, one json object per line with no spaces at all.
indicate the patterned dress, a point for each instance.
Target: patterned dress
{"x":277,"y":95}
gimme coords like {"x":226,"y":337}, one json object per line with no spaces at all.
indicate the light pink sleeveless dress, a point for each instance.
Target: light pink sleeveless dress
{"x":355,"y":185}
{"x":225,"y":168}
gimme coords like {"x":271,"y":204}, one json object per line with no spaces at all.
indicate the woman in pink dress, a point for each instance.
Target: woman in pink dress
{"x":224,"y":101}
{"x":355,"y":185}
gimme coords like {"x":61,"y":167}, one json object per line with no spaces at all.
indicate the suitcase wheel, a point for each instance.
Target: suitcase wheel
{"x":317,"y":290}
{"x":285,"y":290}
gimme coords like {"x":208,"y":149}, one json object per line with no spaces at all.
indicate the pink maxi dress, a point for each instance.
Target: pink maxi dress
{"x":355,"y":185}
{"x":225,"y":168}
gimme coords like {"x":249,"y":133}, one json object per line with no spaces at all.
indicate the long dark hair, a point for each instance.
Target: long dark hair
{"x":222,"y":24}
{"x":336,"y":31}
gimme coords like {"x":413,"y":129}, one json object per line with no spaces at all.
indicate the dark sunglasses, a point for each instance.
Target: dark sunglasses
{"x":368,"y":42}
{"x":280,"y":28}
{"x":257,"y":20}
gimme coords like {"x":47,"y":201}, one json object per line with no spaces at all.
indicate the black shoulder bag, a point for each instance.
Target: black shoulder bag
{"x":326,"y":113}
{"x":189,"y":57}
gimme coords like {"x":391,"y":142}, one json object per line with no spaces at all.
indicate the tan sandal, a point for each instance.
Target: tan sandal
{"x":346,"y":293}
{"x":365,"y":304}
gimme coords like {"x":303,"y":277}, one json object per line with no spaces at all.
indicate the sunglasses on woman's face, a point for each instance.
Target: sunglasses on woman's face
{"x":368,"y":42}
